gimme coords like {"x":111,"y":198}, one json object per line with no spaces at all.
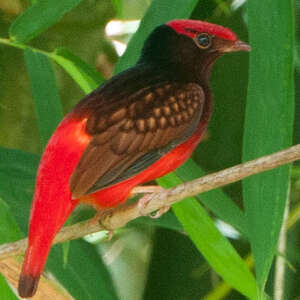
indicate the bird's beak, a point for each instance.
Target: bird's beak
{"x":236,"y":46}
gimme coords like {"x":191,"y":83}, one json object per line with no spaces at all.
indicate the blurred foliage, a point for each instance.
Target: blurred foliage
{"x":146,"y":260}
{"x":87,"y":22}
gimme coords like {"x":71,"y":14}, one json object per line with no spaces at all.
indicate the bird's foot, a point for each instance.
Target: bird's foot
{"x":160,"y":212}
{"x":143,"y":202}
{"x":100,"y":218}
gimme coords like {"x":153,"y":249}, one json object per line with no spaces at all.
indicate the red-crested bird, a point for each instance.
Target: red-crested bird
{"x":141,"y":124}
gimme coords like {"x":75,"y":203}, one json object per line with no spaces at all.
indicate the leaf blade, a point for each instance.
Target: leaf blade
{"x":210,"y":242}
{"x":45,"y":93}
{"x":5,"y":290}
{"x":271,"y":62}
{"x":85,"y":275}
{"x":38,"y":17}
{"x":216,"y":200}
{"x":9,"y":232}
{"x":84,"y":75}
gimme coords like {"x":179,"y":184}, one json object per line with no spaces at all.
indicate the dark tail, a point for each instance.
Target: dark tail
{"x":41,"y":235}
{"x":28,"y":285}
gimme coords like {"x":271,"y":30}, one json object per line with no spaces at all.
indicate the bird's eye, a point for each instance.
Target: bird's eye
{"x":203,"y":40}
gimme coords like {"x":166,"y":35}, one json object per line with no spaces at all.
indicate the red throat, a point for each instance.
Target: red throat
{"x":192,"y":27}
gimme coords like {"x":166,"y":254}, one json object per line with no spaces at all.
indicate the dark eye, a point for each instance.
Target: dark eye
{"x":203,"y":40}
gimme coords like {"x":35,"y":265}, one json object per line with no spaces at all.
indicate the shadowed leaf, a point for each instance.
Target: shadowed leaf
{"x":38,"y":17}
{"x":45,"y":93}
{"x":211,"y":243}
{"x":269,"y":123}
{"x":84,"y":75}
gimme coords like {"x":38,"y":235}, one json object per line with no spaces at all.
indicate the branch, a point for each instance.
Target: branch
{"x":49,"y":288}
{"x":123,"y":214}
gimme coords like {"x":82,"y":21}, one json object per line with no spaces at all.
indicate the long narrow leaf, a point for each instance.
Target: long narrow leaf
{"x":37,"y":18}
{"x":9,"y":232}
{"x":5,"y":291}
{"x":210,"y":242}
{"x":85,"y":276}
{"x":216,"y":200}
{"x":269,"y":123}
{"x":118,"y":4}
{"x":17,"y":175}
{"x":85,"y":76}
{"x":45,"y":93}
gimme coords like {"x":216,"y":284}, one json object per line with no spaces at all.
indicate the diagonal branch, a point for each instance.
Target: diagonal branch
{"x":123,"y":214}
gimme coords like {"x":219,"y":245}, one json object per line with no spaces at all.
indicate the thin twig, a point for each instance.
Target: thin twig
{"x":123,"y":214}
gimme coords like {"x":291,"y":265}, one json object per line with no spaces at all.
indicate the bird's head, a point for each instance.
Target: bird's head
{"x":190,"y":47}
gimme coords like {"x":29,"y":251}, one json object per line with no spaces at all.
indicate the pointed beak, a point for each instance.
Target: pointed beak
{"x":237,"y":46}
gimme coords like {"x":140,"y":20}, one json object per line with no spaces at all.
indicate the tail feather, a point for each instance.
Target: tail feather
{"x":41,"y":235}
{"x":52,"y":203}
{"x":34,"y":262}
{"x":28,"y":285}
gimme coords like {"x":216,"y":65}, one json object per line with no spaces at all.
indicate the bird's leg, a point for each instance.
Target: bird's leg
{"x":100,"y":216}
{"x":150,"y":190}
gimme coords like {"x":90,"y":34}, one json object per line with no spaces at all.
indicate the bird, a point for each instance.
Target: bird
{"x":140,"y":125}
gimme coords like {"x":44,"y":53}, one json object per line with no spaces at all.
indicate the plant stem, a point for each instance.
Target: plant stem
{"x":11,"y":43}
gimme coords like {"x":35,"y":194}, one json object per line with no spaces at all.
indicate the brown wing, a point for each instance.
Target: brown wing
{"x":132,"y":137}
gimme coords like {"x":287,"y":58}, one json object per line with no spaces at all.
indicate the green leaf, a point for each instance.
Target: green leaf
{"x":176,"y":270}
{"x":85,"y":276}
{"x":269,"y":123}
{"x":45,"y":93}
{"x":216,"y":200}
{"x":211,"y":243}
{"x":5,"y":290}
{"x":66,"y":245}
{"x":18,"y":164}
{"x":9,"y":232}
{"x":158,"y":13}
{"x":65,"y":249}
{"x":84,"y":75}
{"x":38,"y":17}
{"x":118,"y":4}
{"x":17,"y":176}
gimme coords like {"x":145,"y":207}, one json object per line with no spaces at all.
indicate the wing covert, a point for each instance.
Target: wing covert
{"x":133,"y":135}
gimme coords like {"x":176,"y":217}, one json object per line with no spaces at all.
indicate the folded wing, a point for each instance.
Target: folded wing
{"x":135,"y":133}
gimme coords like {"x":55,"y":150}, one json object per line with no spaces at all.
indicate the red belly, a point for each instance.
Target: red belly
{"x":119,"y":193}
